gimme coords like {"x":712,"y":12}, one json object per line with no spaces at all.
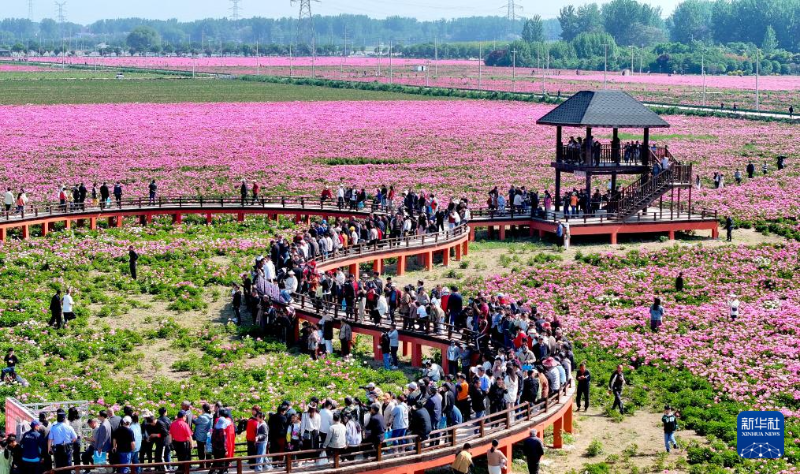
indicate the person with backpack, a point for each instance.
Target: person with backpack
{"x":670,"y":422}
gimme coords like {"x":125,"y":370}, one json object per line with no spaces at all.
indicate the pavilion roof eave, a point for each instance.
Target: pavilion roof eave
{"x":602,"y":109}
{"x":599,"y":125}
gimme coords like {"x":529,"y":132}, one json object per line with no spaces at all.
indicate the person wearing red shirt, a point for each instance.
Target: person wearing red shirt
{"x":256,"y":188}
{"x":230,"y":434}
{"x":251,"y":432}
{"x":181,"y":435}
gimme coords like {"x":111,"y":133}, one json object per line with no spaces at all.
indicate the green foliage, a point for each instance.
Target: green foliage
{"x":144,"y":39}
{"x":533,"y":31}
{"x":595,"y":448}
{"x":596,"y":468}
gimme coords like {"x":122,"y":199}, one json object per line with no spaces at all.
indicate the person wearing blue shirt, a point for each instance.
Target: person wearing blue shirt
{"x":31,"y":445}
{"x":202,"y":426}
{"x":60,"y":439}
{"x":136,"y":428}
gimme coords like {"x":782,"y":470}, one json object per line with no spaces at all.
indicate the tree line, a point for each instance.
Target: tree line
{"x":715,"y":36}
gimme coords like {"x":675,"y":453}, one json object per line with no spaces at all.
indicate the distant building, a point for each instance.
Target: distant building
{"x":5,"y":53}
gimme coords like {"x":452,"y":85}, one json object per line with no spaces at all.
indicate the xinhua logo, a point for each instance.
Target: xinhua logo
{"x":760,"y":434}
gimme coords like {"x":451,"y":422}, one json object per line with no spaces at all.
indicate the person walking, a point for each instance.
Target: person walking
{"x":656,"y":314}
{"x":133,"y":258}
{"x":729,"y":228}
{"x":67,"y":304}
{"x":31,"y":448}
{"x":615,"y":384}
{"x":8,"y":199}
{"x":254,"y":192}
{"x":533,"y":448}
{"x":56,"y":319}
{"x":584,"y":378}
{"x":104,"y":194}
{"x":670,"y":422}
{"x":60,"y":440}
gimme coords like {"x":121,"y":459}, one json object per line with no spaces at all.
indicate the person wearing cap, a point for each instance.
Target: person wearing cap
{"x":123,"y":445}
{"x":60,"y":439}
{"x":181,"y":436}
{"x":32,"y":446}
{"x":533,"y":448}
{"x":670,"y":422}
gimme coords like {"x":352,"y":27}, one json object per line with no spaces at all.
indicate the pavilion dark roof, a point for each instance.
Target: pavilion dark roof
{"x":603,"y":109}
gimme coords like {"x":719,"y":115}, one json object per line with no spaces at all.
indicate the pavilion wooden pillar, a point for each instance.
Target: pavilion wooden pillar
{"x":588,"y":151}
{"x":559,"y":158}
{"x":588,"y":192}
{"x":646,"y":147}
{"x":615,"y":151}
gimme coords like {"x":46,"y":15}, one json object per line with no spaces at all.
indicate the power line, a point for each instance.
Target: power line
{"x":511,"y":10}
{"x":235,"y":10}
{"x":30,"y":10}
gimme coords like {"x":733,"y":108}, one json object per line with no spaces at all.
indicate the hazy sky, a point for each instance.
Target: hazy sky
{"x":87,"y":11}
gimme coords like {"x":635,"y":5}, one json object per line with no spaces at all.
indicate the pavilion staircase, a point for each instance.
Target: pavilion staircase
{"x":641,"y":193}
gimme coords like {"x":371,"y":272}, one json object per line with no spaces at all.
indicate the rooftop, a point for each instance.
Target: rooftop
{"x":603,"y":109}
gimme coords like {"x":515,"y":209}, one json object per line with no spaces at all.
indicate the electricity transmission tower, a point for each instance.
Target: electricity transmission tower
{"x":60,"y":7}
{"x":305,"y":25}
{"x":512,"y":11}
{"x":235,"y":10}
{"x":30,"y":10}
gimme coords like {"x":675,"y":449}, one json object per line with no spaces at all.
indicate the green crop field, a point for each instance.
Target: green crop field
{"x":76,"y":90}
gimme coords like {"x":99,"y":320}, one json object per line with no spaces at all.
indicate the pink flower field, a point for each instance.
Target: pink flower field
{"x":451,"y":147}
{"x":753,"y":360}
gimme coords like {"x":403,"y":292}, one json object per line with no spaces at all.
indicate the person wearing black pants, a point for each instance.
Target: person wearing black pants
{"x":584,"y":378}
{"x":133,"y":257}
{"x":615,"y":384}
{"x":55,"y":311}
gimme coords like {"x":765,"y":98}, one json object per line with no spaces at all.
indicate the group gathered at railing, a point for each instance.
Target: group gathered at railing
{"x":506,"y":364}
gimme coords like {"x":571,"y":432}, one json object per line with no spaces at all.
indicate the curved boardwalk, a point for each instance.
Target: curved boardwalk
{"x":508,"y":427}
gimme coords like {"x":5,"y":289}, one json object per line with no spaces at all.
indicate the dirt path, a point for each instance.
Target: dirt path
{"x":635,"y":443}
{"x":489,"y":257}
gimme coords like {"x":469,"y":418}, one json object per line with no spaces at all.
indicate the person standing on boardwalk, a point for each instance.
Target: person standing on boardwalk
{"x":55,"y":311}
{"x":615,"y":384}
{"x":534,"y":450}
{"x":729,"y":228}
{"x":133,"y":257}
{"x":243,"y":192}
{"x":103,"y":195}
{"x":152,"y":189}
{"x":8,"y":199}
{"x":670,"y":422}
{"x":117,"y":193}
{"x":584,"y":378}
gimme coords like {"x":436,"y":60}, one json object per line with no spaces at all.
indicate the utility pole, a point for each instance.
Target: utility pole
{"x":435,"y":57}
{"x":380,"y":53}
{"x":605,"y":63}
{"x":703,"y":73}
{"x":344,"y":53}
{"x":480,"y":65}
{"x":514,"y":70}
{"x":390,"y":62}
{"x":291,"y":63}
{"x":539,"y":60}
{"x":258,"y":61}
{"x":631,"y":60}
{"x":758,"y":61}
{"x":641,"y":59}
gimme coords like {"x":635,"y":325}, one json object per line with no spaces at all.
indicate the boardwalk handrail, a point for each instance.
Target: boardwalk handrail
{"x":439,"y":443}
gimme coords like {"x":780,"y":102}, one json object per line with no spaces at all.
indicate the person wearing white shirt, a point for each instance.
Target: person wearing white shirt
{"x":66,"y":307}
{"x":336,"y":441}
{"x":290,"y":283}
{"x":269,"y":270}
{"x":353,"y":433}
{"x":733,"y":304}
{"x":8,"y":199}
{"x":326,"y":415}
{"x":309,"y":428}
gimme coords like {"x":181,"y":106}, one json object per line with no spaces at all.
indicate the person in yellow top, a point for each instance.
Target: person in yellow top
{"x":463,"y":461}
